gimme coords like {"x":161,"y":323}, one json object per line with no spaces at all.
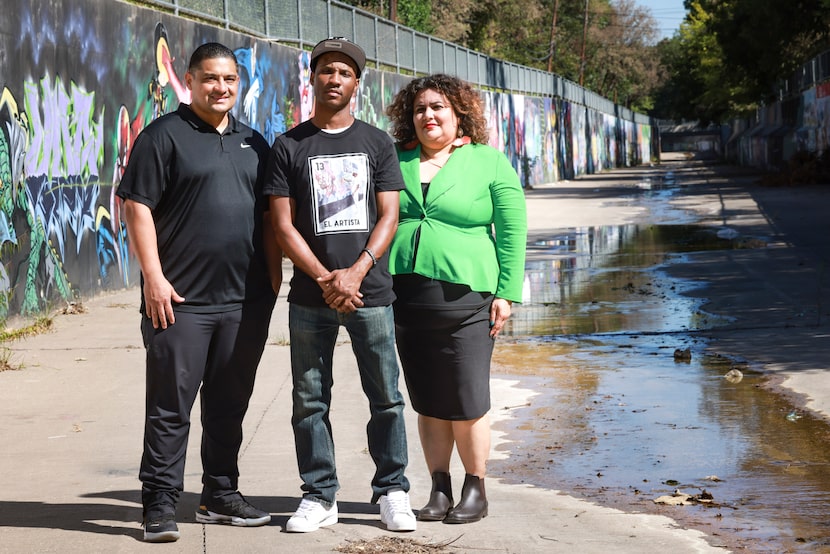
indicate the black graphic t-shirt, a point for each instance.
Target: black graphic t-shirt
{"x":333,"y":179}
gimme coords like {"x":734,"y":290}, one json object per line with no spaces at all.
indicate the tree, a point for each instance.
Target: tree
{"x":623,"y":65}
{"x":618,"y":38}
{"x":445,"y":19}
{"x":511,"y":30}
{"x":730,"y":55}
{"x":765,"y":41}
{"x":416,"y":14}
{"x":695,"y":88}
{"x":566,"y":47}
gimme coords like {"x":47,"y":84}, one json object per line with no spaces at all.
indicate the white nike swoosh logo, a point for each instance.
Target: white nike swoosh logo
{"x":245,"y":145}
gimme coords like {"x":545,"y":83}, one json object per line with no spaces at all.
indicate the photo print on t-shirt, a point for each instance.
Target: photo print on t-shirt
{"x":340,"y":185}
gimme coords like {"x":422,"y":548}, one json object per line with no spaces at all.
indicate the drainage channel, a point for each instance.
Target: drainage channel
{"x":629,"y":408}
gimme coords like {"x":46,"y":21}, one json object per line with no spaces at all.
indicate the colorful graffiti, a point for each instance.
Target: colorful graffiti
{"x":112,"y":247}
{"x":82,"y":80}
{"x":31,"y":267}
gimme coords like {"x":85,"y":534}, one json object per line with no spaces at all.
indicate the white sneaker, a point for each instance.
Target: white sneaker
{"x":395,"y":511}
{"x":310,"y":516}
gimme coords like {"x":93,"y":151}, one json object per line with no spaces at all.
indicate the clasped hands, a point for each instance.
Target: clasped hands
{"x":341,"y":289}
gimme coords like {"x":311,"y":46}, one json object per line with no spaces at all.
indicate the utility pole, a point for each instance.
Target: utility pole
{"x":552,"y":53}
{"x":584,"y":39}
{"x":393,"y":10}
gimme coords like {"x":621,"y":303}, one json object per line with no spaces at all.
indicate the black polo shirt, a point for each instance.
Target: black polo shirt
{"x":205,"y":192}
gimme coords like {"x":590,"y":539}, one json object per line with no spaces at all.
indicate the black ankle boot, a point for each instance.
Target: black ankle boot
{"x":440,"y":500}
{"x":473,"y":504}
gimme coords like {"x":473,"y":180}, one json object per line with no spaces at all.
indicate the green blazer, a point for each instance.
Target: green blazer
{"x":472,"y":227}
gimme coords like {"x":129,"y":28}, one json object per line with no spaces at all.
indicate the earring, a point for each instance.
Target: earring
{"x":460,"y":132}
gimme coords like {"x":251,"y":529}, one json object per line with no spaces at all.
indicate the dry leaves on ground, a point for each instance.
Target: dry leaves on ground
{"x":393,"y":545}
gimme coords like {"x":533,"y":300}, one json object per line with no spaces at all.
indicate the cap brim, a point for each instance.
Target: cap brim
{"x":350,"y":49}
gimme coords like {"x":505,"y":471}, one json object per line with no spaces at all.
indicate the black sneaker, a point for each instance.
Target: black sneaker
{"x":160,"y":527}
{"x":233,"y":510}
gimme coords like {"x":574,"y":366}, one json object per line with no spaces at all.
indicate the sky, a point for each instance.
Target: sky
{"x":668,"y":13}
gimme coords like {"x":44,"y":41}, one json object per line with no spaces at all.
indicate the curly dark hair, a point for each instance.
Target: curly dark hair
{"x":465,"y":101}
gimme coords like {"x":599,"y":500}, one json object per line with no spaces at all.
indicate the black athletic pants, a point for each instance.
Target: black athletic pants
{"x":219,"y":352}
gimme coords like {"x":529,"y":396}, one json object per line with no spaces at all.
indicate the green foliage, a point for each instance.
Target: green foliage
{"x":513,"y":30}
{"x":728,"y":55}
{"x":416,"y":14}
{"x":764,"y":41}
{"x":732,"y":54}
{"x":693,"y":58}
{"x":620,"y":60}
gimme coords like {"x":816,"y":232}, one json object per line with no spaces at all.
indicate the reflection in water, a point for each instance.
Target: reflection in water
{"x":609,"y":280}
{"x":617,"y":418}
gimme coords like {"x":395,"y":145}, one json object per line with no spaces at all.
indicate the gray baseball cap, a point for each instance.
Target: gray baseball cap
{"x":343,"y":45}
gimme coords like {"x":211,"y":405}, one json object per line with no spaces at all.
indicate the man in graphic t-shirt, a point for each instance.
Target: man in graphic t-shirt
{"x":333,"y":183}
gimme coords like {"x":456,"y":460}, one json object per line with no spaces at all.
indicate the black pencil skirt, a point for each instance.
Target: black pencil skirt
{"x":443,"y":337}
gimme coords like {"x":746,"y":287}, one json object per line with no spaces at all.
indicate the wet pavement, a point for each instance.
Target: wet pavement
{"x":618,"y":337}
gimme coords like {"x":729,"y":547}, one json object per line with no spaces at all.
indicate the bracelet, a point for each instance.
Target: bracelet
{"x":371,"y":255}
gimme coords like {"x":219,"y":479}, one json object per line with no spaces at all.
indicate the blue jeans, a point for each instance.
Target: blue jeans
{"x":313,"y":332}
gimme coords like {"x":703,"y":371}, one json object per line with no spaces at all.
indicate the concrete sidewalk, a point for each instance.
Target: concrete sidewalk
{"x":71,"y":423}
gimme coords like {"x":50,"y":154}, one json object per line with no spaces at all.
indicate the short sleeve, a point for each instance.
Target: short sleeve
{"x":275,"y":181}
{"x":146,"y":172}
{"x":388,"y":170}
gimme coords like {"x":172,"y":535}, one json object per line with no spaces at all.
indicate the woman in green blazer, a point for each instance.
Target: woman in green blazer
{"x":458,"y":263}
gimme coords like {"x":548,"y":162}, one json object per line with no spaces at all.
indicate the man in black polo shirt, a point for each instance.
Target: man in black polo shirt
{"x":209,"y":275}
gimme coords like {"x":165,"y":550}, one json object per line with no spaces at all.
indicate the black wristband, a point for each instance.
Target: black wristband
{"x":371,"y":255}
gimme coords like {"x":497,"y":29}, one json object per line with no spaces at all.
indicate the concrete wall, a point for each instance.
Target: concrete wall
{"x":798,"y":123}
{"x":81,"y":78}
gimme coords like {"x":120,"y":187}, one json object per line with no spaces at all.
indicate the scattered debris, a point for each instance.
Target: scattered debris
{"x":734,"y":376}
{"x":679,"y":498}
{"x":683,"y":355}
{"x":73,"y":308}
{"x":40,"y":325}
{"x":727,"y":233}
{"x":676,"y":499}
{"x":394,"y":545}
{"x":524,"y":405}
{"x":705,"y":497}
{"x":751,"y":243}
{"x":794,"y":416}
{"x":6,"y":360}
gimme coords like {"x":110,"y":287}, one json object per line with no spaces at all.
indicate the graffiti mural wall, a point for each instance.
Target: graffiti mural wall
{"x":798,"y":123}
{"x":80,"y":79}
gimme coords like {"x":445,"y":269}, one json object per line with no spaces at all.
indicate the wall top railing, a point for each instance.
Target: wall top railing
{"x":388,"y":45}
{"x":810,"y":74}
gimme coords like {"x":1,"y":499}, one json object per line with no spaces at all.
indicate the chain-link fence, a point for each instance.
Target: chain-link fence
{"x":388,"y":45}
{"x":809,"y":75}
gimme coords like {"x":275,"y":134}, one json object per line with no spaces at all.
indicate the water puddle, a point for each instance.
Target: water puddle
{"x":629,"y":408}
{"x":608,"y":279}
